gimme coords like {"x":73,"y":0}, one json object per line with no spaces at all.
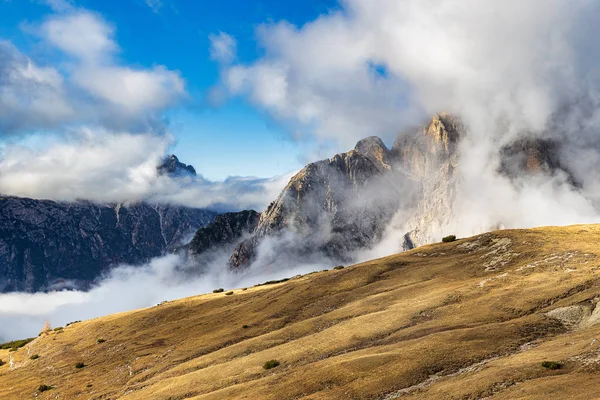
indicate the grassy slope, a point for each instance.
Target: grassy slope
{"x":452,"y":320}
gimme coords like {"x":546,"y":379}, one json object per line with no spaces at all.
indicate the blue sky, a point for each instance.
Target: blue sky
{"x":234,"y":138}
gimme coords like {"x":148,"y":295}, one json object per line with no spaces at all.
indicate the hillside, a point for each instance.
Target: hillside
{"x":462,"y":320}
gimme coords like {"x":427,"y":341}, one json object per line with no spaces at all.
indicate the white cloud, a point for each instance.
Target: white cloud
{"x":89,"y":39}
{"x":30,"y":96}
{"x":155,"y":5}
{"x":135,"y":91}
{"x":103,"y":166}
{"x":507,"y":68}
{"x":222,"y":47}
{"x":125,"y":288}
{"x":378,"y":66}
{"x":81,"y":34}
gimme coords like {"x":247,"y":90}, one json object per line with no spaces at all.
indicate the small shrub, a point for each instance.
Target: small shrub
{"x":245,"y":288}
{"x":219,"y":290}
{"x":275,"y":281}
{"x":58,"y":328}
{"x":101,"y":341}
{"x":271,"y":364}
{"x":552,"y":365}
{"x":450,"y":238}
{"x":34,"y":357}
{"x":72,"y":323}
{"x":2,"y":363}
{"x":79,"y":365}
{"x":338,"y":267}
{"x":89,"y":385}
{"x":245,"y":326}
{"x":13,"y":349}
{"x":228,"y":293}
{"x":43,"y":388}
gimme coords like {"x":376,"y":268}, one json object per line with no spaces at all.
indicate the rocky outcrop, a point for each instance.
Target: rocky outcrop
{"x":226,"y":229}
{"x":173,"y":167}
{"x":531,"y":156}
{"x":332,"y":207}
{"x":47,"y":245}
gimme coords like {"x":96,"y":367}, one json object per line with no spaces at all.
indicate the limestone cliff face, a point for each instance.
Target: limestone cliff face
{"x":330,"y":206}
{"x":423,"y":152}
{"x":431,"y":158}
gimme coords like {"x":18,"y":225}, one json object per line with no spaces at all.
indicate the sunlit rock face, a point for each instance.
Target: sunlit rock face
{"x":343,"y":205}
{"x":333,"y":207}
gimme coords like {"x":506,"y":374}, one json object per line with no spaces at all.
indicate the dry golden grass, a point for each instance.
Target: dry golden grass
{"x":460,"y":320}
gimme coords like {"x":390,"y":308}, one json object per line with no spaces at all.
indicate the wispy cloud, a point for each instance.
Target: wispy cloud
{"x":222,"y":47}
{"x":155,"y":5}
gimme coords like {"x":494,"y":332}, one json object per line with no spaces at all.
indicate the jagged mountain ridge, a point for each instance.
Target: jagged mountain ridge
{"x":342,"y":205}
{"x":328,"y":208}
{"x":46,"y":244}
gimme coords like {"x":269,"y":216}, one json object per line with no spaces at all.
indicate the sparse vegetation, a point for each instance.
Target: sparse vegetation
{"x":101,"y":340}
{"x":449,"y":238}
{"x":71,"y":323}
{"x":79,"y":365}
{"x":58,"y":329}
{"x":43,"y":388}
{"x":34,"y":357}
{"x":551,"y":365}
{"x":274,"y":282}
{"x":219,"y":290}
{"x":2,"y":363}
{"x":89,"y":385}
{"x":271,"y":364}
{"x":15,"y":344}
{"x":322,"y":315}
{"x":338,"y":267}
{"x":228,"y":293}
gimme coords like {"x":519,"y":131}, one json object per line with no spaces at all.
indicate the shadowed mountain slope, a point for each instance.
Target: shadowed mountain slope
{"x":469,"y":319}
{"x":47,"y":245}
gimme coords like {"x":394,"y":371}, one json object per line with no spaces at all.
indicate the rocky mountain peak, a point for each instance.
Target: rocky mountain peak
{"x":435,"y":143}
{"x":328,"y":205}
{"x":444,"y":132}
{"x":375,"y":150}
{"x":173,"y":167}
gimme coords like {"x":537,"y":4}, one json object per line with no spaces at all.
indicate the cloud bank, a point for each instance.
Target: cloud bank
{"x":98,"y":126}
{"x":126,"y":288}
{"x":106,"y":166}
{"x":508,"y":69}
